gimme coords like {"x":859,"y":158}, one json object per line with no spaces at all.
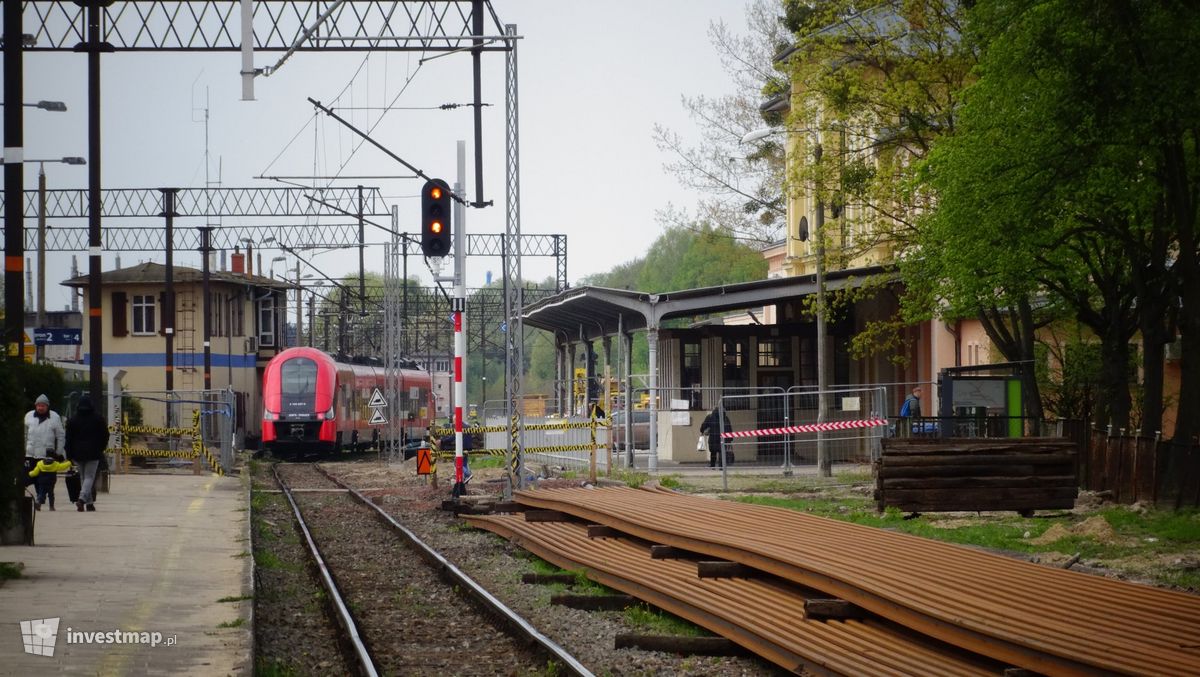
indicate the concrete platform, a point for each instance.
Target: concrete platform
{"x":155,"y":557}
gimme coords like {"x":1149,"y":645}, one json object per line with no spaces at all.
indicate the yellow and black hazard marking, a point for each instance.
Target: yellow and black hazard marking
{"x":196,"y":451}
{"x":154,"y":453}
{"x":514,"y":443}
{"x":559,"y":448}
{"x":449,"y":453}
{"x":442,"y":432}
{"x":150,"y":430}
{"x":565,"y":425}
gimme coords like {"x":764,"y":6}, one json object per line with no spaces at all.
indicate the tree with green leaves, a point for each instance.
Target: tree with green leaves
{"x":1074,"y":166}
{"x":877,"y":86}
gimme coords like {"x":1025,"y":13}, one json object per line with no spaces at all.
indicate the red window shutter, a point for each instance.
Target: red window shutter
{"x":120,"y":314}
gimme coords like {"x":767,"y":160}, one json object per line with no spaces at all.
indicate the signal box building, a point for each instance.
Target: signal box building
{"x":246,"y":321}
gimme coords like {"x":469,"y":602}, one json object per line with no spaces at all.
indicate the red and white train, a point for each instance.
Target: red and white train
{"x":315,"y":405}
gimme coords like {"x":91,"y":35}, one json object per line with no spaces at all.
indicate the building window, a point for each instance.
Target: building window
{"x":808,"y":362}
{"x":143,"y":315}
{"x":216,"y":309}
{"x":736,"y":369}
{"x":237,"y":319}
{"x":776,"y":352}
{"x":266,"y":321}
{"x":690,"y":373}
{"x":441,"y":365}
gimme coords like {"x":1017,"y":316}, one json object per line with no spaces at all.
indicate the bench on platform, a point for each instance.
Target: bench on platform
{"x":948,"y":474}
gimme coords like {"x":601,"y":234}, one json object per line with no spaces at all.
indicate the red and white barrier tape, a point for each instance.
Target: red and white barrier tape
{"x":810,"y":428}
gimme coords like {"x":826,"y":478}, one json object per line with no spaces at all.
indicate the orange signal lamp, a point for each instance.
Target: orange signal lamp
{"x":436,"y":226}
{"x":436,"y":193}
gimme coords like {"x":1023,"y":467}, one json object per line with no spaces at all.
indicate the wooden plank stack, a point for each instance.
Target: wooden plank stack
{"x":947,"y":474}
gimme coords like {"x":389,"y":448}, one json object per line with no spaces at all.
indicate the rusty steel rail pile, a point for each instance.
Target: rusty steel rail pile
{"x":765,"y":617}
{"x":1048,"y":620}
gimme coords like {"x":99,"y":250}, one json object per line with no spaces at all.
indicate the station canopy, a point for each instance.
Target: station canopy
{"x":594,"y":312}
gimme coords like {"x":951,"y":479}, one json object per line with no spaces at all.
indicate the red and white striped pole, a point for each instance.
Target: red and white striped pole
{"x":460,"y":383}
{"x":459,"y":309}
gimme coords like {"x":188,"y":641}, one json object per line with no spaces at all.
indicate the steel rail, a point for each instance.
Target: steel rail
{"x":1049,"y":620}
{"x":967,"y":614}
{"x":763,"y":616}
{"x":342,"y":613}
{"x":468,"y":585}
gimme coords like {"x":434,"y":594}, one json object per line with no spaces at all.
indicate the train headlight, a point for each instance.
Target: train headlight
{"x":269,"y":415}
{"x":329,"y":414}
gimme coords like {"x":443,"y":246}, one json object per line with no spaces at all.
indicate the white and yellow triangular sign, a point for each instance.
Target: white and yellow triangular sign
{"x":377,"y":400}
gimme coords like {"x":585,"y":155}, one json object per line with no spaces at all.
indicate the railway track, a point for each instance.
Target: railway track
{"x":403,"y":608}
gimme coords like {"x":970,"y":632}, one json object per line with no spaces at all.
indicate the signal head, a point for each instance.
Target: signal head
{"x":436,"y":229}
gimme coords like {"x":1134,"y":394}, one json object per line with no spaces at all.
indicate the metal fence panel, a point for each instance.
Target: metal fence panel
{"x":175,"y":409}
{"x":568,"y":447}
{"x":788,"y":431}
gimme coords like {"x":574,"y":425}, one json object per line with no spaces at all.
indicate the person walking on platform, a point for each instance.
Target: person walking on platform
{"x":45,"y":476}
{"x":714,"y":424}
{"x":87,"y":438}
{"x":596,"y":411}
{"x":43,"y":430}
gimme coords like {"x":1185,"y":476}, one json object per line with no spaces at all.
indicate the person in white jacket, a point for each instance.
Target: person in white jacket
{"x":44,"y":434}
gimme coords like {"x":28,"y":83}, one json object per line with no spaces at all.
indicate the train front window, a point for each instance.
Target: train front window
{"x":298,"y":376}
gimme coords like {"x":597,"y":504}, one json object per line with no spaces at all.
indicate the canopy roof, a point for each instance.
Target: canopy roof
{"x":594,"y":312}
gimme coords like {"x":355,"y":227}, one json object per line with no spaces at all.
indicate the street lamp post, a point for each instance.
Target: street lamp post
{"x":824,"y":467}
{"x":41,"y":254}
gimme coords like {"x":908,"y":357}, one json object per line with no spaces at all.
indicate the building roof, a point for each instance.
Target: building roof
{"x":156,"y":273}
{"x":594,"y":312}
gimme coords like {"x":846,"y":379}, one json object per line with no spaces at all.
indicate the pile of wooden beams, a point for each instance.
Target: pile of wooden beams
{"x":945,"y":474}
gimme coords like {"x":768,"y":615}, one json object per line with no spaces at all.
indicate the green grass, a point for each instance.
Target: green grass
{"x":239,"y":598}
{"x":582,"y":585}
{"x":236,"y":623}
{"x":631,"y":478}
{"x":670,"y":481}
{"x":275,"y":668}
{"x":586,"y":586}
{"x":478,"y":462}
{"x":269,"y":560}
{"x":541,"y":566}
{"x":243,"y":553}
{"x":10,"y":570}
{"x":260,"y":500}
{"x":661,"y":622}
{"x":551,"y":669}
{"x":1140,"y":537}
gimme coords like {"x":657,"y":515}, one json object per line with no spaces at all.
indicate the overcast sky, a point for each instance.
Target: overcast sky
{"x":595,"y":77}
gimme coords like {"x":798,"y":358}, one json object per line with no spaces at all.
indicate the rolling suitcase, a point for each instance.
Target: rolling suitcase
{"x":74,"y":484}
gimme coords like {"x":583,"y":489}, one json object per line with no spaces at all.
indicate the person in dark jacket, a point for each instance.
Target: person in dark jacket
{"x":87,"y":438}
{"x":714,"y":424}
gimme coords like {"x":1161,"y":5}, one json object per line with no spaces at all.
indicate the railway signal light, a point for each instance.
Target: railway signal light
{"x":435,"y":218}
